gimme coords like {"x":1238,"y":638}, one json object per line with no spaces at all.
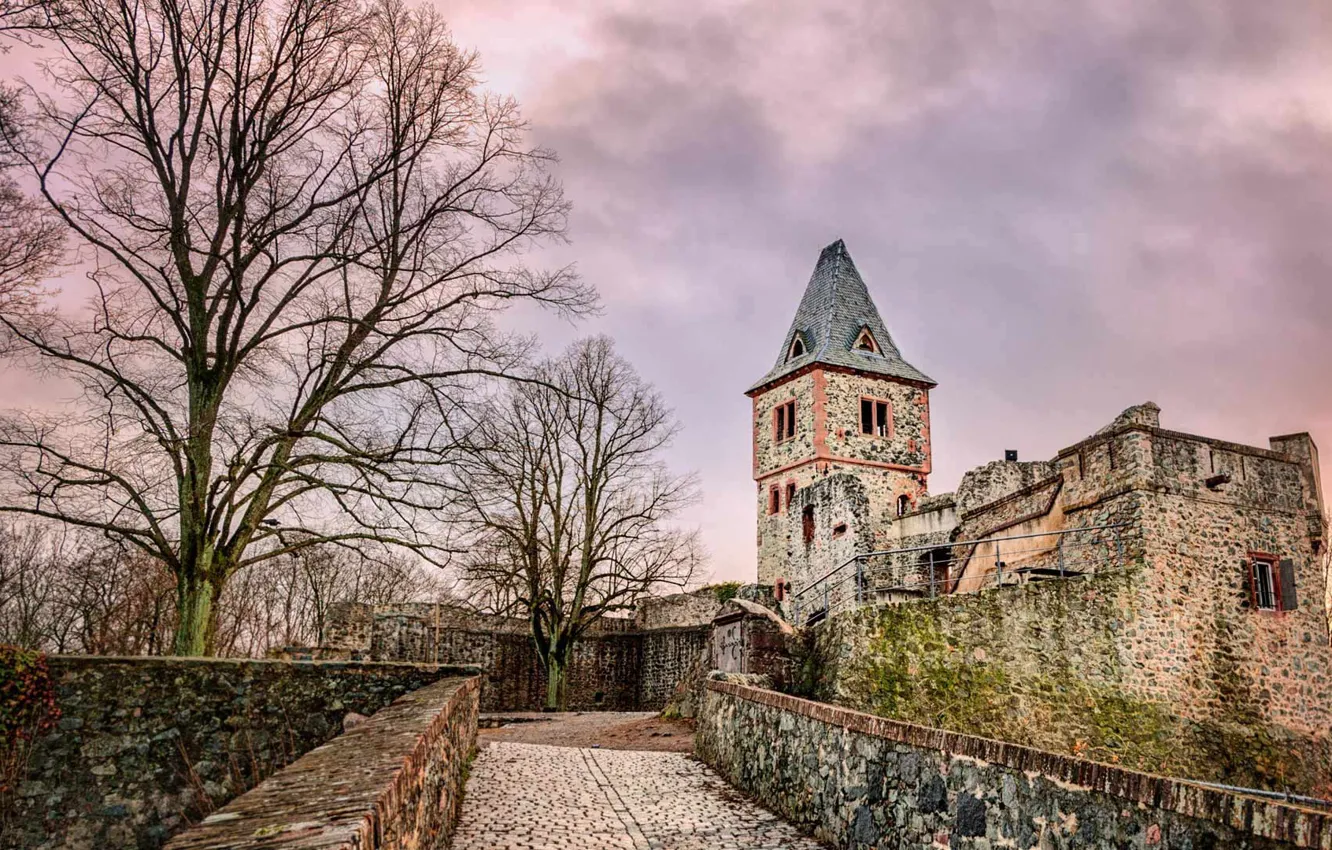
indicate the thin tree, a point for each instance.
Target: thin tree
{"x":303,"y":215}
{"x":572,"y":503}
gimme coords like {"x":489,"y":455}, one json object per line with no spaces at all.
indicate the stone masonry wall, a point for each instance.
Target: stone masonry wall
{"x":828,"y":442}
{"x":1078,"y":666}
{"x":865,"y":783}
{"x":147,"y":745}
{"x":609,"y":671}
{"x":394,"y":782}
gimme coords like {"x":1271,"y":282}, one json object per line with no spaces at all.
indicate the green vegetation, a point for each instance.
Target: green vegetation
{"x":943,"y":664}
{"x":724,"y":591}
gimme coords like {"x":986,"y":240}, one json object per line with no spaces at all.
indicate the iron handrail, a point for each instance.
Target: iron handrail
{"x":947,"y":545}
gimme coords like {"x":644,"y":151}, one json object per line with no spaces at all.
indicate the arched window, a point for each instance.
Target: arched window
{"x":865,"y":342}
{"x":797,"y":348}
{"x":903,"y":504}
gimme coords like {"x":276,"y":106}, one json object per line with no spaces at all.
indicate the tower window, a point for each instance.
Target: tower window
{"x":875,"y":417}
{"x":774,"y":499}
{"x":1272,"y":583}
{"x":865,"y":342}
{"x":903,"y":505}
{"x":783,"y":421}
{"x":807,"y":523}
{"x":797,"y":347}
{"x":839,"y":529}
{"x":790,"y":494}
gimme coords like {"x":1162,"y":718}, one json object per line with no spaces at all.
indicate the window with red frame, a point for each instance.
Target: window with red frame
{"x":1271,"y":583}
{"x":774,"y":499}
{"x":784,"y":421}
{"x":790,"y":494}
{"x":876,"y":417}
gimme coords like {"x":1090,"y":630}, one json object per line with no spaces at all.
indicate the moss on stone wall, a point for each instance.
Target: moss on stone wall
{"x":1040,"y":666}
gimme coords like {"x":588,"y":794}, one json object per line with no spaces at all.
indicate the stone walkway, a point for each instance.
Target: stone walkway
{"x":535,"y":797}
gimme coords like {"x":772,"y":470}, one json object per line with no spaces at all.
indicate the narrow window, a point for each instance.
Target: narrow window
{"x":790,"y":494}
{"x":876,"y":417}
{"x":1262,"y":584}
{"x":807,"y":523}
{"x":903,"y":505}
{"x":774,"y":499}
{"x":1286,"y":585}
{"x":783,"y":420}
{"x":797,"y":348}
{"x":839,"y":529}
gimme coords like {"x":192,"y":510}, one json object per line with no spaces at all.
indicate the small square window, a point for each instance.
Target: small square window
{"x":875,"y":417}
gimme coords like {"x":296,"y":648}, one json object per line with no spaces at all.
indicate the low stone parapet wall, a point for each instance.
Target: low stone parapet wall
{"x":393,"y":781}
{"x":860,"y":781}
{"x":146,"y":746}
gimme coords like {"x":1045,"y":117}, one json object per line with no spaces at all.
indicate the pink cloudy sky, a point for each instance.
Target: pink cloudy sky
{"x":1062,"y":207}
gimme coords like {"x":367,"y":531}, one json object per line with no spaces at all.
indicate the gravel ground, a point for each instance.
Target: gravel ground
{"x":608,"y":730}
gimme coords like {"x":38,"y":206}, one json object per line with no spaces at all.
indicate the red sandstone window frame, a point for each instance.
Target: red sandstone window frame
{"x":1273,"y":572}
{"x":790,"y":494}
{"x":784,"y":421}
{"x":876,"y":426}
{"x":774,"y":499}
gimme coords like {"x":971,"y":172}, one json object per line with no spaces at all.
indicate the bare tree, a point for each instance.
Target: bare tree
{"x":572,"y":503}
{"x":304,"y":216}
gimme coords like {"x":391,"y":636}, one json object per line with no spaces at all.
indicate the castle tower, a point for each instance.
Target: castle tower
{"x":840,"y":401}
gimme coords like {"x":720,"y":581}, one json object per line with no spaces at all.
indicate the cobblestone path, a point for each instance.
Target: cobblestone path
{"x":535,"y":797}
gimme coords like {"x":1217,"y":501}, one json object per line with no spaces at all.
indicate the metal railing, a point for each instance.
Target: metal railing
{"x":962,"y":566}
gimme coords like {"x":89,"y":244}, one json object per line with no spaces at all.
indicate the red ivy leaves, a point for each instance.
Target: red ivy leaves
{"x":27,"y":707}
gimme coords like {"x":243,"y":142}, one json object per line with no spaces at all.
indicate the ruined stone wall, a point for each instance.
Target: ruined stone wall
{"x":857,"y":781}
{"x":147,"y":745}
{"x":611,"y":670}
{"x":678,"y":609}
{"x":396,"y":782}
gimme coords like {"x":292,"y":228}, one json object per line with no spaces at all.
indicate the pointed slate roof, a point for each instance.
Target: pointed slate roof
{"x":836,"y":307}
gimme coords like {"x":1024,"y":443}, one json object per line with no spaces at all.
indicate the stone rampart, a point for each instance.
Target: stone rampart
{"x":393,"y":781}
{"x":146,"y":746}
{"x":1068,"y":666}
{"x":860,"y":781}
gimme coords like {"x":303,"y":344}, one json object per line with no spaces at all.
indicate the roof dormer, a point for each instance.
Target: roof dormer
{"x":798,"y":347}
{"x":865,"y":341}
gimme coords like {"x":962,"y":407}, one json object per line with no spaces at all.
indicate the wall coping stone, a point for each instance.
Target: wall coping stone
{"x":345,"y":793}
{"x":457,"y":670}
{"x":1279,"y":821}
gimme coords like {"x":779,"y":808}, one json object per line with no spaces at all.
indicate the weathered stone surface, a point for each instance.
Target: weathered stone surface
{"x":867,"y":783}
{"x":146,"y":745}
{"x":615,"y":667}
{"x":392,"y":783}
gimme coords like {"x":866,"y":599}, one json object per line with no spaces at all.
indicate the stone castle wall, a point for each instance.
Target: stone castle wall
{"x":614,"y":667}
{"x":859,"y":781}
{"x":147,"y":745}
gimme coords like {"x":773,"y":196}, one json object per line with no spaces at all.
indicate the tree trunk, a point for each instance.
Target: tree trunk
{"x":557,"y":693}
{"x":194,"y":615}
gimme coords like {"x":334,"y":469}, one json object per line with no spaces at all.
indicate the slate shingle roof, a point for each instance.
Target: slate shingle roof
{"x":835,"y":308}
